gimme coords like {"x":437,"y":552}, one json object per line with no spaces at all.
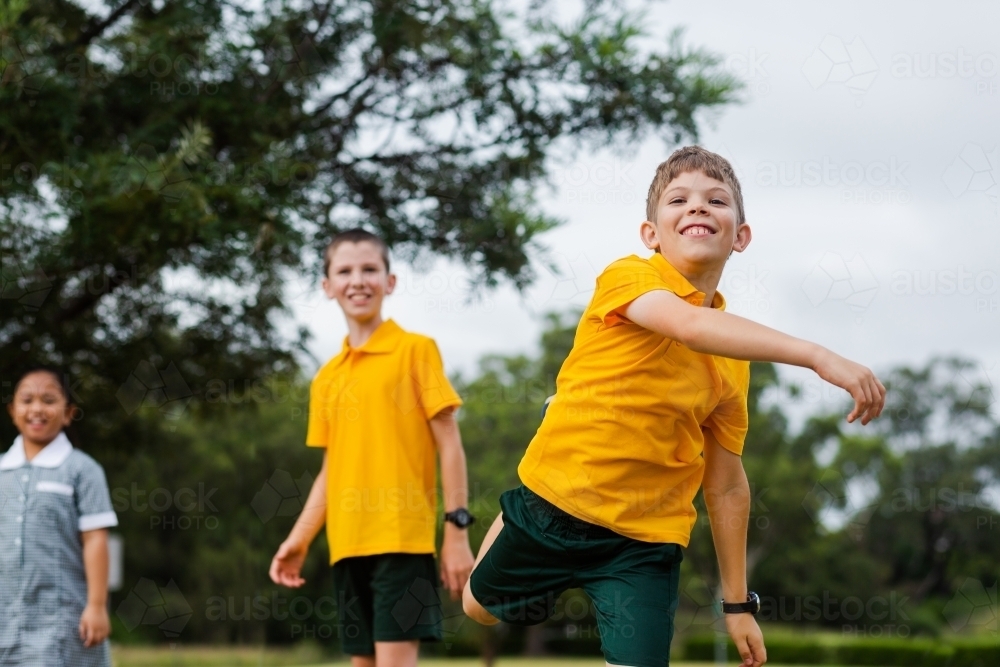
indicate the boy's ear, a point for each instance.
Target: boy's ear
{"x":328,"y":288}
{"x":70,"y":414}
{"x":647,"y":232}
{"x":390,"y":283}
{"x":743,"y":237}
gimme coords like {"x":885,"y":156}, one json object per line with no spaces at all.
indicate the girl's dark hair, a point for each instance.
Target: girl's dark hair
{"x":61,"y":378}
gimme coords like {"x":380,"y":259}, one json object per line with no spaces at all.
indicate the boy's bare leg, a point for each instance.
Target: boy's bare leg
{"x":472,"y":608}
{"x":362,"y":661}
{"x":396,"y":654}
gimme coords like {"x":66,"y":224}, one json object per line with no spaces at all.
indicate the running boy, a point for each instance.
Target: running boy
{"x":381,"y":408}
{"x":650,"y":405}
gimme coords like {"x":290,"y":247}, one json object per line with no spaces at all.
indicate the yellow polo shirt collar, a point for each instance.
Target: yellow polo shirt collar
{"x":680,"y":285}
{"x":384,"y":340}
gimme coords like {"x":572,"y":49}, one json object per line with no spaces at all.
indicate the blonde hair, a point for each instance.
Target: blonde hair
{"x":694,"y":158}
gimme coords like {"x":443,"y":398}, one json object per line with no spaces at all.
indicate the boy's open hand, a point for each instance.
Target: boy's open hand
{"x":748,"y":639}
{"x":456,"y":561}
{"x":866,"y":390}
{"x":286,"y":565}
{"x":95,"y":626}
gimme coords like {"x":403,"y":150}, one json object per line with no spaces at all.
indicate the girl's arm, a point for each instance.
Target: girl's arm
{"x":95,"y":626}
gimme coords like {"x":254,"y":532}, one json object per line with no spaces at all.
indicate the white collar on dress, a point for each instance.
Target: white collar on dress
{"x":51,"y":456}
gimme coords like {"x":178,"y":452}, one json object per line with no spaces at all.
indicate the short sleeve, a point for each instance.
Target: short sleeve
{"x":622,"y":283}
{"x":433,"y":391}
{"x":318,"y":430}
{"x":93,"y":500}
{"x":729,"y":420}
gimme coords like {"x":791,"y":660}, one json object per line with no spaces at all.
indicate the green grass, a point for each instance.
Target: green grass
{"x":187,"y":656}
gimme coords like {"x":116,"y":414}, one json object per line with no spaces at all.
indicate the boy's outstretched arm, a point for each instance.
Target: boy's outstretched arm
{"x":725,"y":335}
{"x":727,"y":497}
{"x":286,"y":566}
{"x":456,"y":554}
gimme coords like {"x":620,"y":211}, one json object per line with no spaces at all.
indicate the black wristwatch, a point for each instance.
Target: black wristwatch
{"x":460,"y":517}
{"x":751,"y":606}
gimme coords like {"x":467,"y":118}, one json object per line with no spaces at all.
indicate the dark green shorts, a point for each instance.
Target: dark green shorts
{"x":542,"y":551}
{"x":386,"y":598}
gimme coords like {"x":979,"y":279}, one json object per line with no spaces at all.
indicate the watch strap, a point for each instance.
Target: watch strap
{"x":751,"y":606}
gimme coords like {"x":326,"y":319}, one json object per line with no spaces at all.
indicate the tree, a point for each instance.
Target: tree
{"x":168,"y":165}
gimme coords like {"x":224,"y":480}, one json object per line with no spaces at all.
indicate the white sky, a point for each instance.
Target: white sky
{"x":902,"y":262}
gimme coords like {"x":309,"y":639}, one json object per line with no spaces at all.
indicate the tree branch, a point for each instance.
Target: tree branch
{"x":96,"y":29}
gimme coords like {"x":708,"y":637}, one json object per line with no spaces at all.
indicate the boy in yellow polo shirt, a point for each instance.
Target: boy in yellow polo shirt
{"x":650,"y":405}
{"x":381,"y":409}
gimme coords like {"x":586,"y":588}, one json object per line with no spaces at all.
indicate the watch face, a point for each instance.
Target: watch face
{"x":755,"y":602}
{"x":461,"y":518}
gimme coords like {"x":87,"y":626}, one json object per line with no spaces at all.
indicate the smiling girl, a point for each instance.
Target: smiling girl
{"x":55,"y":510}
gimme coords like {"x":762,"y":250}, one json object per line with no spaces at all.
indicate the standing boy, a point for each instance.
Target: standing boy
{"x":650,"y":405}
{"x":381,"y":408}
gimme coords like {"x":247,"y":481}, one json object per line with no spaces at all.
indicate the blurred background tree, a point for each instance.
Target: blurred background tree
{"x":168,"y":167}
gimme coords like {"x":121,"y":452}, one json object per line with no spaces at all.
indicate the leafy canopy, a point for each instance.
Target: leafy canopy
{"x":168,"y":165}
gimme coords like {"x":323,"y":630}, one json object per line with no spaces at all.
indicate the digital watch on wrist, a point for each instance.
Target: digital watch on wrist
{"x":460,"y":517}
{"x":751,"y":606}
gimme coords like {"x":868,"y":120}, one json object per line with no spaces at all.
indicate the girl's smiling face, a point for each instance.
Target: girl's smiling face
{"x":40,"y":409}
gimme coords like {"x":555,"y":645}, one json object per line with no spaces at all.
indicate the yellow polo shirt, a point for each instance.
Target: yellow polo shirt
{"x":370,"y":407}
{"x":621,"y":443}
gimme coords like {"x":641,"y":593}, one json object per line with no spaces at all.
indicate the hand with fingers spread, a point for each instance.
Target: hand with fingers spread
{"x":286,"y":566}
{"x":456,"y":560}
{"x":860,"y":382}
{"x":746,"y":634}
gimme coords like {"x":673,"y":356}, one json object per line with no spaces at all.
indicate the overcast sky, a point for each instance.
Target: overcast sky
{"x":868,"y":154}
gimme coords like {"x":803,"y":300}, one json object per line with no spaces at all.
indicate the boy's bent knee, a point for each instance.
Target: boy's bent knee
{"x":474,"y":610}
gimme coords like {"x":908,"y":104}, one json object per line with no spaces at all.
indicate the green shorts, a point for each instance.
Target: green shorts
{"x":386,"y":598}
{"x":542,"y":551}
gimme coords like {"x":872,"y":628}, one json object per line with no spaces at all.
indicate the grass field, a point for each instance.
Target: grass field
{"x":250,"y":657}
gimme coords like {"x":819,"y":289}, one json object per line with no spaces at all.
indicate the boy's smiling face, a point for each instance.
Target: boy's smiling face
{"x":696,"y":225}
{"x":358,"y":280}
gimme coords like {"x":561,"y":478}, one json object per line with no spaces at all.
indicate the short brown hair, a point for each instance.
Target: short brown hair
{"x":694,"y":158}
{"x":356,"y":235}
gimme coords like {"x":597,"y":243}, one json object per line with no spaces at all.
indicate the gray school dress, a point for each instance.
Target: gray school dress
{"x":45,"y":504}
